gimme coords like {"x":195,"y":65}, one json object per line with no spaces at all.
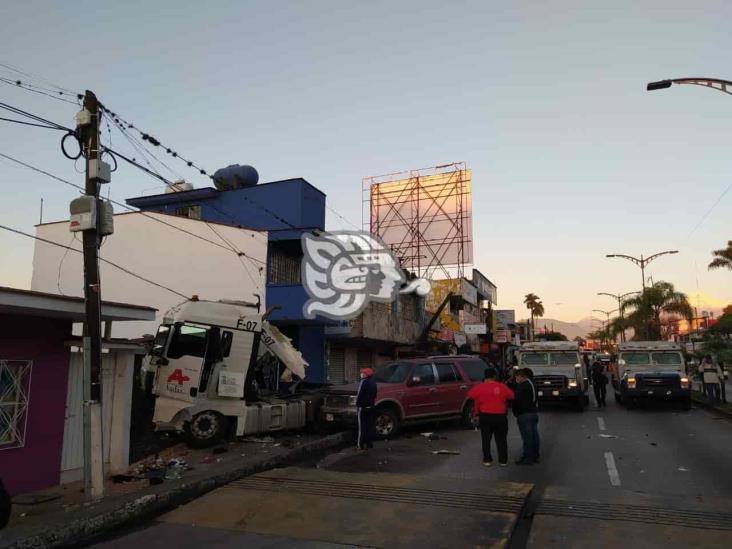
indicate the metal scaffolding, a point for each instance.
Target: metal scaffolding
{"x":424,"y":216}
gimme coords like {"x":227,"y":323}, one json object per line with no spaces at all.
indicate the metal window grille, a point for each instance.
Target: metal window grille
{"x":15,"y":382}
{"x":284,"y":268}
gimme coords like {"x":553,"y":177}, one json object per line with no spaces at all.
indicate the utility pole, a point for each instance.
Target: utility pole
{"x":88,"y":126}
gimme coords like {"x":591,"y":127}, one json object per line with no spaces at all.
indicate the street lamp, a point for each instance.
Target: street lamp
{"x":620,"y":298}
{"x":607,"y":314}
{"x":643,"y":261}
{"x":725,"y":86}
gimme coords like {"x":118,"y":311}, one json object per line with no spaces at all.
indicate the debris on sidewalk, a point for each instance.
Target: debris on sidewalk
{"x":446,"y":452}
{"x":260,"y":440}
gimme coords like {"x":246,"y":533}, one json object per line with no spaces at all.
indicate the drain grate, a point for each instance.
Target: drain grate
{"x":394,"y":494}
{"x":636,"y":513}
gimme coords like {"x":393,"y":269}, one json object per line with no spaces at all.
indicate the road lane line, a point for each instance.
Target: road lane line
{"x":601,"y":424}
{"x":612,"y":471}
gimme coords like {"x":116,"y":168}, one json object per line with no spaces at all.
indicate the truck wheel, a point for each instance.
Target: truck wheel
{"x":205,"y":429}
{"x":387,"y":423}
{"x":467,"y":418}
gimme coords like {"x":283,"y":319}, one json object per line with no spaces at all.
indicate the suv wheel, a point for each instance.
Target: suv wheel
{"x":387,"y":423}
{"x":467,"y":417}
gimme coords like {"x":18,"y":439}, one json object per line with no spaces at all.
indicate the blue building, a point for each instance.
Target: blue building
{"x":286,"y":209}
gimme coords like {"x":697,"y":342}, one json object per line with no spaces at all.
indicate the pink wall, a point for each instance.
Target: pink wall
{"x":37,"y":465}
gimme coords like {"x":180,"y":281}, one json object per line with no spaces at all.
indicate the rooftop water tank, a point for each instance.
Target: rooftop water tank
{"x":235,"y":177}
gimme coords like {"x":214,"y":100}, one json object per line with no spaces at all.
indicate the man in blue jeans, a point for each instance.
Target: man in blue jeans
{"x":525,"y":408}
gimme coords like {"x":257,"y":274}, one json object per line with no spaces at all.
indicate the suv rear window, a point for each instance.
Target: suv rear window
{"x":446,"y":372}
{"x":474,"y":369}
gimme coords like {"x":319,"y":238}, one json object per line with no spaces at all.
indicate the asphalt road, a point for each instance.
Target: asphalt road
{"x":670,"y":466}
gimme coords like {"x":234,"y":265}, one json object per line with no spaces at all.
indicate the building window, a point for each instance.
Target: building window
{"x":285,"y":261}
{"x":15,"y":378}
{"x":193,"y":212}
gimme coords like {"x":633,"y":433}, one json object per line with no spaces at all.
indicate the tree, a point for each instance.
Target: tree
{"x":722,"y":258}
{"x":531,"y":300}
{"x":648,"y":308}
{"x":553,"y":336}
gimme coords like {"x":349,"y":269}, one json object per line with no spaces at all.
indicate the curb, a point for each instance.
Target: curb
{"x":702,"y":403}
{"x":92,"y":523}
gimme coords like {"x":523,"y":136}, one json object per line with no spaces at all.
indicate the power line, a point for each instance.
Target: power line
{"x":36,"y":89}
{"x":21,"y":112}
{"x":709,"y":211}
{"x":38,"y":77}
{"x":28,"y":123}
{"x":115,"y":265}
{"x":125,"y":206}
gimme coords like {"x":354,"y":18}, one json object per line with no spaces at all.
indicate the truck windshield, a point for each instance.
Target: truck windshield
{"x":666,"y":359}
{"x":392,"y":373}
{"x":563,"y":359}
{"x":534,"y":359}
{"x":636,"y":358}
{"x":161,"y":338}
{"x":188,"y":340}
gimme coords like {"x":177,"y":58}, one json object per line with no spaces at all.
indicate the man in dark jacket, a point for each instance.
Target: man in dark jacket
{"x":599,"y":383}
{"x":365,"y":401}
{"x":526,"y":410}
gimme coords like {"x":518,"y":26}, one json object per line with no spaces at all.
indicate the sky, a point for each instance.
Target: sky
{"x":545,"y":102}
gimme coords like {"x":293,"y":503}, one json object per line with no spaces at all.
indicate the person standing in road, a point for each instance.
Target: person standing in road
{"x":489,"y":405}
{"x":526,"y":410}
{"x":586,"y":359}
{"x":712,"y":377}
{"x":599,"y":383}
{"x":365,"y":400}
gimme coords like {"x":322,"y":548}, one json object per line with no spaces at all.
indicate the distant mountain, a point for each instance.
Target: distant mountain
{"x":569,"y":329}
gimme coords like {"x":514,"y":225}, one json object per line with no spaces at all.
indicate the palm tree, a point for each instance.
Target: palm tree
{"x":722,"y":258}
{"x":647,"y":308}
{"x":538,"y":310}
{"x":530,"y":300}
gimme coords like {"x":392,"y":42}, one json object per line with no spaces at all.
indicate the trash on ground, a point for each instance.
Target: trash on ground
{"x":654,"y":444}
{"x":446,"y":452}
{"x":607,"y":436}
{"x":427,"y":435}
{"x":207,"y":459}
{"x":260,"y":440}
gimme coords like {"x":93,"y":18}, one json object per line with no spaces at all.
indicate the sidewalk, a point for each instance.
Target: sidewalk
{"x":61,"y":516}
{"x":701,"y":400}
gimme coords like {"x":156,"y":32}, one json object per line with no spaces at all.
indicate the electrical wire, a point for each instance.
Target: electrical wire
{"x":129,"y":208}
{"x":28,"y":123}
{"x":38,"y":77}
{"x":115,"y":265}
{"x":60,"y":263}
{"x":40,"y":91}
{"x":36,"y":118}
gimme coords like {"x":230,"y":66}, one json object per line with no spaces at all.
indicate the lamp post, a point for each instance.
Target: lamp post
{"x":620,"y":298}
{"x":607,"y":324}
{"x":725,"y":86}
{"x":643,"y":261}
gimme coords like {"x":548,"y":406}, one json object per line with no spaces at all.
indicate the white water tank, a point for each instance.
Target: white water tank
{"x":179,"y":186}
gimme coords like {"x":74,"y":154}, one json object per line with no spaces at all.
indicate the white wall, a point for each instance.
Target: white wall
{"x":158,"y":252}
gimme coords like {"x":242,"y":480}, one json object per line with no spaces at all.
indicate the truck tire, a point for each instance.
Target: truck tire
{"x":466,"y":419}
{"x":205,"y":429}
{"x":386,"y":422}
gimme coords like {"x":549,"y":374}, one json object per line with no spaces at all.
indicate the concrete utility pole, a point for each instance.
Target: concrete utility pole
{"x":93,"y":449}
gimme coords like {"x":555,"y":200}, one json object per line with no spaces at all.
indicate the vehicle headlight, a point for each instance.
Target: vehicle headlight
{"x":352,"y":400}
{"x":684,"y":382}
{"x":631,"y":383}
{"x":572,"y":383}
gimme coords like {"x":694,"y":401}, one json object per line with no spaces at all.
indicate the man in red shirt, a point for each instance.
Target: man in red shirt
{"x":489,"y":405}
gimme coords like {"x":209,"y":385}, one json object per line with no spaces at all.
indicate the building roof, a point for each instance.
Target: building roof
{"x":30,"y":303}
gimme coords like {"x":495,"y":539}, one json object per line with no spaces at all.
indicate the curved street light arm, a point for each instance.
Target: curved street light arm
{"x":635,"y":260}
{"x":650,"y":258}
{"x":725,"y":86}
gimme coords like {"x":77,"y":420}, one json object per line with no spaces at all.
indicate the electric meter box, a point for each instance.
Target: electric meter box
{"x":84,"y":213}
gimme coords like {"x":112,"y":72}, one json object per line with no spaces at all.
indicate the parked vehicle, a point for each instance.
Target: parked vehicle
{"x":410,"y":391}
{"x":558,"y":372}
{"x":206,"y":368}
{"x":651,"y":370}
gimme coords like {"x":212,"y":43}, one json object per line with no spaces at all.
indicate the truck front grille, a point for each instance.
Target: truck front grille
{"x":658,"y":382}
{"x":337,"y":401}
{"x":550,"y":382}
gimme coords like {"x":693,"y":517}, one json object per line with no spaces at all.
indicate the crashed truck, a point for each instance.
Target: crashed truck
{"x":215,"y":369}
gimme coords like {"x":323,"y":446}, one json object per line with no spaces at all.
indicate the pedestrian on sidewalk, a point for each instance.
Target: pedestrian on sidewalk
{"x":489,"y":406}
{"x":712,"y":378}
{"x":526,"y":410}
{"x":599,"y":383}
{"x":365,"y":400}
{"x":723,"y":382}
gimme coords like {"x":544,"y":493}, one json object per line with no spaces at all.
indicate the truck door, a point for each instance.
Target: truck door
{"x":180,"y":377}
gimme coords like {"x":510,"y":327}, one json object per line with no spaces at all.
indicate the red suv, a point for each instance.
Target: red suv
{"x":412,"y":390}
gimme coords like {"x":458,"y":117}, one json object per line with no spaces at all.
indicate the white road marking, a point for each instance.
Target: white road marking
{"x":612,"y":471}
{"x":601,"y":424}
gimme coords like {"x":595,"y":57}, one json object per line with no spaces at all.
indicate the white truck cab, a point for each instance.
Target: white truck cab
{"x":558,"y":373}
{"x":651,"y":370}
{"x":204,"y":364}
